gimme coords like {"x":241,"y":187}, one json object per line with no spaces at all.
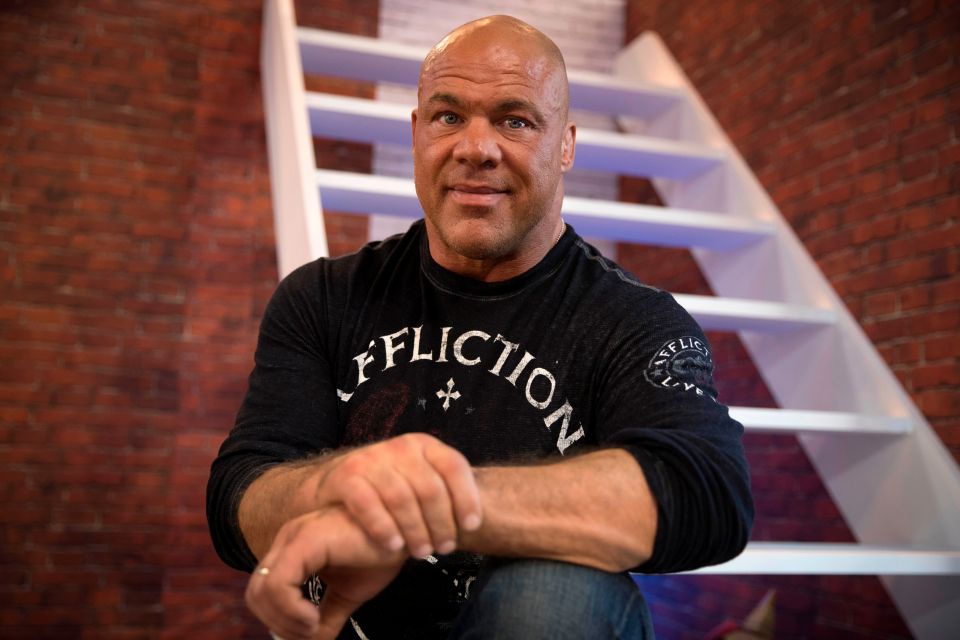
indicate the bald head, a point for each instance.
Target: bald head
{"x":490,"y":36}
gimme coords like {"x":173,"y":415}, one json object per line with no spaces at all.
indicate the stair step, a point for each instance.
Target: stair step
{"x":738,"y":314}
{"x":794,"y":558}
{"x":363,"y":58}
{"x":661,"y":226}
{"x":800,"y":421}
{"x":374,"y":121}
{"x":364,"y":193}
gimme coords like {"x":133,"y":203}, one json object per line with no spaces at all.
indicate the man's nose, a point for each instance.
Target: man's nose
{"x":479,"y":144}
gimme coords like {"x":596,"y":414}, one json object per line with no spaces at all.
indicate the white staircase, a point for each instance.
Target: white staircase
{"x":888,"y":473}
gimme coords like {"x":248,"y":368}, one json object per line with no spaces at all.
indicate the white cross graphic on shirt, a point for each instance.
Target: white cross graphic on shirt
{"x":448,"y":395}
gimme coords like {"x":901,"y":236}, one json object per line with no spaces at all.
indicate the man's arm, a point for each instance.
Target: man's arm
{"x":275,"y":498}
{"x":594,"y":509}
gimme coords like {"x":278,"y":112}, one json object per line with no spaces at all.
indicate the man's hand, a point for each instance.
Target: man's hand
{"x":327,"y":542}
{"x":412,"y":490}
{"x":349,"y":518}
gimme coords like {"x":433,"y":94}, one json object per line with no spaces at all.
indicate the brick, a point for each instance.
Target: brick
{"x":880,"y":304}
{"x":870,"y":134}
{"x":931,"y":83}
{"x":945,"y":292}
{"x":938,"y":375}
{"x":917,"y":166}
{"x":928,"y":137}
{"x":945,"y":209}
{"x":949,"y":154}
{"x":932,"y":110}
{"x":939,"y":403}
{"x":940,"y":347}
{"x":915,"y":297}
{"x":920,"y":190}
{"x":875,"y":156}
{"x":798,"y":188}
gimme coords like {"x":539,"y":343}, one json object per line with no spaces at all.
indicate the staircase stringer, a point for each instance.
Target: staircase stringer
{"x":903,"y":490}
{"x":297,"y":216}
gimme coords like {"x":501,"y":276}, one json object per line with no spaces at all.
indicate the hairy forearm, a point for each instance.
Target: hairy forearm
{"x":594,"y":510}
{"x":280,"y":494}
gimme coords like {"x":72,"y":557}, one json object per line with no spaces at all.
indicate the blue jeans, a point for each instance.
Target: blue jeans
{"x":542,"y":599}
{"x":532,"y":599}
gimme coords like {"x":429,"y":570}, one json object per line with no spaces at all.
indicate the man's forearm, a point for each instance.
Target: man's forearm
{"x":280,"y":494}
{"x":594,"y":510}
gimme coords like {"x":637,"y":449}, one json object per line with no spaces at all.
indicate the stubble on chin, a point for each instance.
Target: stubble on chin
{"x":491,"y":243}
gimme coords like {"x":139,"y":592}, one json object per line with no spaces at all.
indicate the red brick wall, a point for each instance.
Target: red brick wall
{"x":136,"y":256}
{"x":849,"y":114}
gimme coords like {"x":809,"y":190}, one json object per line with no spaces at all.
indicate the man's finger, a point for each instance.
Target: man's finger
{"x":368,"y":509}
{"x":401,"y":500}
{"x":280,"y":606}
{"x":437,"y":509}
{"x":274,"y":592}
{"x":461,"y":484}
{"x":412,"y":488}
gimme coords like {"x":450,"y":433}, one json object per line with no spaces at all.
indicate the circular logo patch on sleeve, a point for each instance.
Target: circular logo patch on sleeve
{"x":682,"y":363}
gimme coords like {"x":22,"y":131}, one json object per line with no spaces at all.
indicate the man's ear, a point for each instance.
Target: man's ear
{"x":568,"y":147}
{"x":413,"y":124}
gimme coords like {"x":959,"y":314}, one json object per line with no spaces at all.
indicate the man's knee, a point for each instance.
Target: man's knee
{"x":543,"y":599}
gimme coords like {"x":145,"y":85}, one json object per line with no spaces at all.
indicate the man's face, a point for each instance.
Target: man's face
{"x":490,"y":142}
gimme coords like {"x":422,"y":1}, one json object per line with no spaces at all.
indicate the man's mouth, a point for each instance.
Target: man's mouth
{"x":475,"y":195}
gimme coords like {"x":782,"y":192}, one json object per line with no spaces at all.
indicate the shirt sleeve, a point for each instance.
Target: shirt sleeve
{"x":289,"y":411}
{"x":660,"y":403}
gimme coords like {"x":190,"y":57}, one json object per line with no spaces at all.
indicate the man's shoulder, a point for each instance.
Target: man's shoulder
{"x":606,"y":294}
{"x":607,"y":280}
{"x":333,"y":285}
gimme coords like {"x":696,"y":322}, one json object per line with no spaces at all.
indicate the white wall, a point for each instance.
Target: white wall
{"x":589,"y":32}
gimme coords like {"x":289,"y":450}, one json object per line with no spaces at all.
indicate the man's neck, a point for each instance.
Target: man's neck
{"x":500,"y":268}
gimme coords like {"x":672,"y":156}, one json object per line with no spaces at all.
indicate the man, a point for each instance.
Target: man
{"x":475,"y":429}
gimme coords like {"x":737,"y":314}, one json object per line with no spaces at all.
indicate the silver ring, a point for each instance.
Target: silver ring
{"x":264,"y":571}
{"x":275,"y":636}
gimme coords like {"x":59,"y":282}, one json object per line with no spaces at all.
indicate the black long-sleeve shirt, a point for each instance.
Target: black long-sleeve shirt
{"x":572,"y":355}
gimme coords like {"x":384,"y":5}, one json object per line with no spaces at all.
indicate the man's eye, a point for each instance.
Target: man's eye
{"x":516,"y":123}
{"x":448,"y":118}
